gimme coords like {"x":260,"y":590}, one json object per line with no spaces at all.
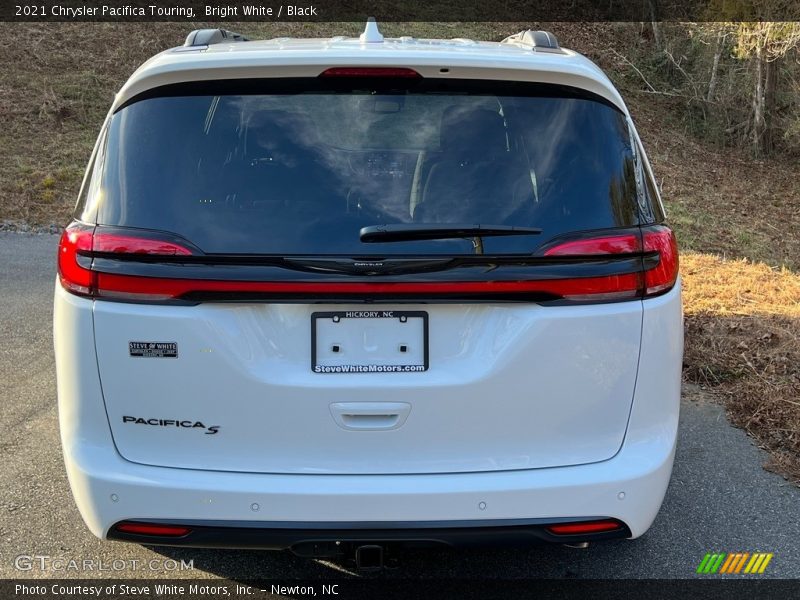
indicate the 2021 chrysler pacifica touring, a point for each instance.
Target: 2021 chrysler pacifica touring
{"x":368,"y":290}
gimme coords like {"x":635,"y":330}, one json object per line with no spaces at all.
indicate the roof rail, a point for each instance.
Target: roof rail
{"x":541,"y":41}
{"x":206,"y":37}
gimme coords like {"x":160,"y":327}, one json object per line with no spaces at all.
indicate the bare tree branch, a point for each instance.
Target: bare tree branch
{"x":634,"y":67}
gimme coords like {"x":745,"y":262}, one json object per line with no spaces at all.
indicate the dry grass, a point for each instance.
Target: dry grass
{"x":743,"y":342}
{"x":735,"y":288}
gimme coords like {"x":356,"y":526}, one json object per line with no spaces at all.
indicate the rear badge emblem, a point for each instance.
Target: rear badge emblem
{"x":187,"y":424}
{"x":153,"y":349}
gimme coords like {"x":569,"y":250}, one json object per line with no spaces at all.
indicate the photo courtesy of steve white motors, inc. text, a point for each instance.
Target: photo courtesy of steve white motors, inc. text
{"x":170,"y":589}
{"x":114,"y":11}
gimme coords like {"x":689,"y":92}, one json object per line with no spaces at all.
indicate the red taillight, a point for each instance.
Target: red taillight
{"x":592,"y":246}
{"x":652,"y":239}
{"x":74,"y":277}
{"x":155,"y":529}
{"x":125,"y":244}
{"x":370,"y":72}
{"x":612,"y":287}
{"x":79,"y":240}
{"x":585,"y":527}
{"x":662,"y":277}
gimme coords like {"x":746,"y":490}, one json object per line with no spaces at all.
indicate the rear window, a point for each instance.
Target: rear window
{"x":295,"y":167}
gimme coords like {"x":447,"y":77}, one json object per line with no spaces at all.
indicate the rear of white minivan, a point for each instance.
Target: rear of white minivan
{"x":368,"y":306}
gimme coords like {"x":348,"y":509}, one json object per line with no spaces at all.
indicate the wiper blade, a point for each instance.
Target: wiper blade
{"x":404,"y":232}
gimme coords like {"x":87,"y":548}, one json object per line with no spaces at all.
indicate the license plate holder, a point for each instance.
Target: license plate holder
{"x":369,"y":341}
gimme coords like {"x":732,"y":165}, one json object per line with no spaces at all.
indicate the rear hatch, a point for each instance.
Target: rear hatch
{"x":366,"y":274}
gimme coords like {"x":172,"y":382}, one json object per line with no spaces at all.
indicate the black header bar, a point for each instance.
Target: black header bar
{"x":225,"y":11}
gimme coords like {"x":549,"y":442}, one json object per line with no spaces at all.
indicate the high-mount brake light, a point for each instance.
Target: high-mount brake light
{"x":389,"y":72}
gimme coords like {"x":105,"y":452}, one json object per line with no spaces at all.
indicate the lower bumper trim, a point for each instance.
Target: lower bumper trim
{"x":325,"y":539}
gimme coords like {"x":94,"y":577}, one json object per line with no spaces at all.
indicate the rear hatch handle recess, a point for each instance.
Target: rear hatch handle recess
{"x":370,"y":416}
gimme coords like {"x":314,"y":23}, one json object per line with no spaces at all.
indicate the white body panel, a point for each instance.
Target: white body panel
{"x":640,"y":469}
{"x":514,"y":386}
{"x":308,"y":58}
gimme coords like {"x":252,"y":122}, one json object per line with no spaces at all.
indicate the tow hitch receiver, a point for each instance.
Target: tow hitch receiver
{"x":370,"y":557}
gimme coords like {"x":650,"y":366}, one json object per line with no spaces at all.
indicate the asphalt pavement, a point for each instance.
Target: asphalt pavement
{"x":719,"y":500}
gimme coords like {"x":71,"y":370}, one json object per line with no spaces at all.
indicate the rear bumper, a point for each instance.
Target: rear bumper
{"x":629,"y":487}
{"x":109,"y":489}
{"x":328,"y":539}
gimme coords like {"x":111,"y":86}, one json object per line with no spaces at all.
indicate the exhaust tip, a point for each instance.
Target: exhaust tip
{"x":578,"y":546}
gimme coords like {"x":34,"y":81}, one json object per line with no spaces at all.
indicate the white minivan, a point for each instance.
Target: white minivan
{"x":330,"y":295}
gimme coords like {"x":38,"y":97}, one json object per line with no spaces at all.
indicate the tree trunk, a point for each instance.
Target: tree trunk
{"x":758,"y":105}
{"x":657,"y":38}
{"x":655,"y":24}
{"x":712,"y":80}
{"x":770,"y":77}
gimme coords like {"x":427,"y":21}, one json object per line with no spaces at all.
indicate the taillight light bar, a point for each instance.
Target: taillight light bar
{"x":80,"y":243}
{"x":125,"y":286}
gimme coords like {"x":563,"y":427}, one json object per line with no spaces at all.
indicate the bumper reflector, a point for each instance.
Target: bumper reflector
{"x":585,"y":527}
{"x":155,"y":529}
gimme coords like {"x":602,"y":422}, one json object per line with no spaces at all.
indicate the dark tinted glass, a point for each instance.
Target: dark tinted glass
{"x":654,"y":212}
{"x":301,"y":173}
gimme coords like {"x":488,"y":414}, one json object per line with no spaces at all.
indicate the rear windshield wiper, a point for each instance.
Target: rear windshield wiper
{"x":403,"y":232}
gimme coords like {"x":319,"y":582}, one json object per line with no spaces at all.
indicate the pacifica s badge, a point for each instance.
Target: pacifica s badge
{"x":172,"y":423}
